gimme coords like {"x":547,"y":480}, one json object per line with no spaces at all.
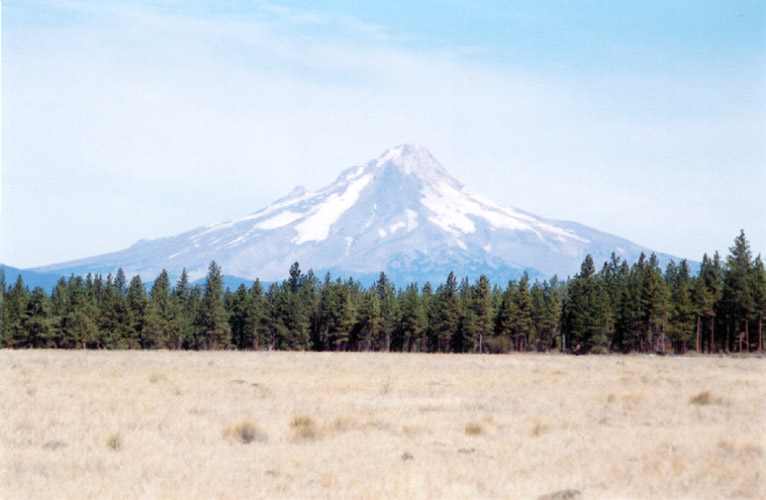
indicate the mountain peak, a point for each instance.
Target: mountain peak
{"x":413,"y":159}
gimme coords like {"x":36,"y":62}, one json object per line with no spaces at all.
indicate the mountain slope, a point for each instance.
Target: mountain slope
{"x":30,"y":278}
{"x":401,"y":213}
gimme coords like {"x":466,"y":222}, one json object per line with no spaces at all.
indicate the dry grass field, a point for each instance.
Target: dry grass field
{"x":234,"y":425}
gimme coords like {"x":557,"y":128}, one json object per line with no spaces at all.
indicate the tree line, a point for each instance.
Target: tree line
{"x":619,"y":308}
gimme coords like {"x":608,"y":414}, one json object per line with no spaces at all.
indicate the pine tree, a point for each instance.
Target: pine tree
{"x":413,"y":319}
{"x":295,"y":312}
{"x":521,"y":320}
{"x":78,"y":325}
{"x":337,"y":315}
{"x":682,"y":317}
{"x":501,"y":341}
{"x":257,"y":320}
{"x":163,"y":327}
{"x":39,"y":320}
{"x":114,"y":317}
{"x":447,"y":314}
{"x":307,"y":297}
{"x":585,"y":312}
{"x":759,"y":296}
{"x":546,"y":313}
{"x":121,"y":281}
{"x":16,"y":313}
{"x":186,"y":301}
{"x":275,"y":304}
{"x":483,"y":311}
{"x":654,"y":297}
{"x":369,"y":320}
{"x":426,"y":301}
{"x":289,"y":317}
{"x":2,"y":307}
{"x":738,"y":294}
{"x":137,"y":305}
{"x":388,"y":310}
{"x":614,"y":280}
{"x":212,"y":326}
{"x":709,"y":295}
{"x":239,"y":305}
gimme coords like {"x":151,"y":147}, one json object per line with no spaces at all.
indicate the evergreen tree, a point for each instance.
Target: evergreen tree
{"x":38,"y":325}
{"x":276,"y":302}
{"x":308,"y":297}
{"x":738,"y":294}
{"x":2,"y":307}
{"x":186,"y":300}
{"x":16,"y":313}
{"x":501,"y":341}
{"x":521,"y":320}
{"x":163,"y":326}
{"x":212,"y":325}
{"x":137,"y":305}
{"x":295,"y":311}
{"x":682,"y":321}
{"x":586,"y":312}
{"x":462,"y":339}
{"x":369,"y":320}
{"x":389,"y":312}
{"x":413,"y":319}
{"x":426,"y":301}
{"x":711,"y":277}
{"x":546,"y":313}
{"x":121,"y":282}
{"x":289,"y":316}
{"x":759,"y":298}
{"x":446,"y":315}
{"x":483,"y":311}
{"x":336,"y":315}
{"x":78,"y":324}
{"x":654,"y":305}
{"x":239,"y":307}
{"x":257,"y":320}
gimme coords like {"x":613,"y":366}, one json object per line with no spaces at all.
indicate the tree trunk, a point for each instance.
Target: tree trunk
{"x":712,"y":335}
{"x":760,"y":333}
{"x":727,"y":347}
{"x":697,"y":343}
{"x":649,"y":339}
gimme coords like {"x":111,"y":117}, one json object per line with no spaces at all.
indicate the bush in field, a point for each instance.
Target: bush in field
{"x":114,"y":441}
{"x":473,"y":429}
{"x":304,"y":428}
{"x":245,"y":432}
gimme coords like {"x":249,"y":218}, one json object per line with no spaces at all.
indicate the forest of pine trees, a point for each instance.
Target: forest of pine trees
{"x":619,"y":308}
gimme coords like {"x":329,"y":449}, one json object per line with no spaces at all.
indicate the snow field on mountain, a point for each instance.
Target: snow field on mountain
{"x":402,"y":214}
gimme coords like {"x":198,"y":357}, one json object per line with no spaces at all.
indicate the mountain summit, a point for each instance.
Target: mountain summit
{"x":401,"y":213}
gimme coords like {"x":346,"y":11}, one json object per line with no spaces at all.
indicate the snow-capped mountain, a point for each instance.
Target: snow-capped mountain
{"x":401,"y":213}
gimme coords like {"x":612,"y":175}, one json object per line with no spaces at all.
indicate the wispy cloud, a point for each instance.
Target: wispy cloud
{"x":156,"y":106}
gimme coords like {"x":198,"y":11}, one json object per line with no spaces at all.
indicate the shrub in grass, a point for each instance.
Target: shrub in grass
{"x":473,"y":429}
{"x":245,"y":433}
{"x":703,"y":398}
{"x":114,"y":441}
{"x":538,"y":428}
{"x":304,"y":427}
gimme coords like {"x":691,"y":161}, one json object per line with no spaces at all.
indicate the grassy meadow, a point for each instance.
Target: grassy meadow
{"x":233,"y":425}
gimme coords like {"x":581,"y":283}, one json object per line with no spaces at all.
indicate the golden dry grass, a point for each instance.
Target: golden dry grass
{"x":234,"y":425}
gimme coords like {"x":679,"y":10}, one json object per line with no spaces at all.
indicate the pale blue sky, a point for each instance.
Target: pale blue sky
{"x":129,"y":120}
